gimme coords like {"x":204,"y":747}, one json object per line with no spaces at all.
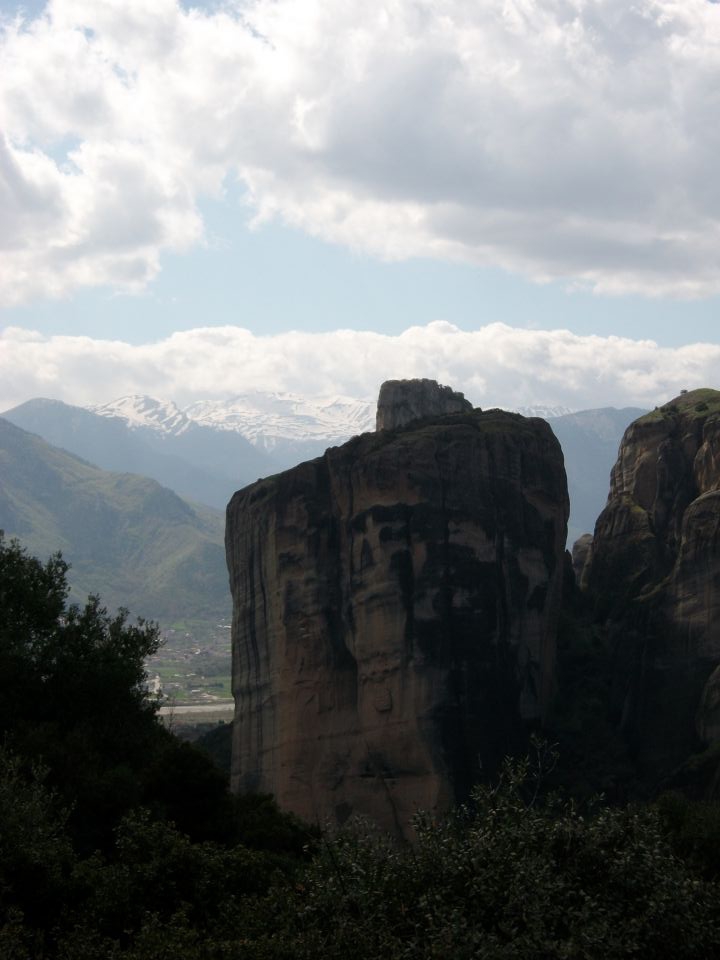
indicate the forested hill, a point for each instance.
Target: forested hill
{"x":126,"y":537}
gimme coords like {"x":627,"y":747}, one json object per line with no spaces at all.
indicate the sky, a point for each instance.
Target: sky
{"x":516,"y":197}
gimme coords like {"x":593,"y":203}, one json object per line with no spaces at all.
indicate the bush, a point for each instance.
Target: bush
{"x":72,"y":692}
{"x":36,"y":856}
{"x":693,"y":828}
{"x":509,"y":877}
{"x":111,"y":830}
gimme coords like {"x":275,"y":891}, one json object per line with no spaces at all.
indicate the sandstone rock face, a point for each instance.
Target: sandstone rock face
{"x":581,"y":553}
{"x":402,"y":401}
{"x":655,"y":570}
{"x":395,"y":608}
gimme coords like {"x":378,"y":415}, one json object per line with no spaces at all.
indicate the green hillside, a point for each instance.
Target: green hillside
{"x":127,"y":538}
{"x":697,"y":402}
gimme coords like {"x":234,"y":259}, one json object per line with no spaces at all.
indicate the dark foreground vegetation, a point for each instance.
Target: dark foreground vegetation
{"x":117,"y":840}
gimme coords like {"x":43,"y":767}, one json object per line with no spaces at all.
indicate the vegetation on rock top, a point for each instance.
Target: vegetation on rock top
{"x":693,"y":403}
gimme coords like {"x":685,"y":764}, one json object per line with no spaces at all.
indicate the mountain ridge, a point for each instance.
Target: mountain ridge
{"x":211,"y":448}
{"x":203,"y":466}
{"x":129,"y":539}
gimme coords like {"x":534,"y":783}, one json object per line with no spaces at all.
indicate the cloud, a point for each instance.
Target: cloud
{"x":496,"y":365}
{"x":558,"y":138}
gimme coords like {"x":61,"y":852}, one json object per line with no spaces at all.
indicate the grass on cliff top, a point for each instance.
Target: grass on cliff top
{"x":695,"y":403}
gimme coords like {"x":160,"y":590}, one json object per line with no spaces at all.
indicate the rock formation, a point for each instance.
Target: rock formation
{"x":395,"y":608}
{"x":402,"y":401}
{"x":581,"y":554}
{"x":655,"y":574}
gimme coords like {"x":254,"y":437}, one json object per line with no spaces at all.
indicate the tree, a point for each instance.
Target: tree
{"x":114,"y":835}
{"x":72,"y":691}
{"x":36,"y":856}
{"x":73,"y":697}
{"x":513,"y":875}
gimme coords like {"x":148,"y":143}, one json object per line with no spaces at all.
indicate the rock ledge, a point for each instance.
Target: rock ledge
{"x":403,"y":401}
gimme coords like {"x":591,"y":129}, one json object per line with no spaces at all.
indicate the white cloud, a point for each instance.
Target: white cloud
{"x":571,"y":139}
{"x":496,"y":365}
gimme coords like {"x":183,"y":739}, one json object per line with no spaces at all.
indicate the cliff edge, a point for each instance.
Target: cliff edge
{"x":654,"y":572}
{"x":395,"y":610}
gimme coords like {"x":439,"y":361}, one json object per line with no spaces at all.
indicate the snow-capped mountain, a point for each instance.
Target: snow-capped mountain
{"x":285,"y":425}
{"x":153,"y":438}
{"x":210,"y":448}
{"x":145,"y":412}
{"x":268,"y":419}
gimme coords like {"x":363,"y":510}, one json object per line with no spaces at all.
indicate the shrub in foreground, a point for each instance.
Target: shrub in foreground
{"x":510,"y":877}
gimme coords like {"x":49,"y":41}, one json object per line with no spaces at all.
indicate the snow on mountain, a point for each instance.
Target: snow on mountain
{"x":272,"y":421}
{"x":211,"y":447}
{"x":269,"y":419}
{"x":137,"y":411}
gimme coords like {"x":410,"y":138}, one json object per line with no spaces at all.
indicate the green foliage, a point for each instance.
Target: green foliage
{"x":32,"y":597}
{"x":35,"y":853}
{"x":157,"y":879}
{"x":261,"y":826}
{"x":113,"y":833}
{"x":593,"y":756}
{"x":72,"y":691}
{"x":152,"y":882}
{"x":217,"y":743}
{"x":689,"y":402}
{"x":181,"y":785}
{"x":72,"y":694}
{"x":511,"y":877}
{"x":693,"y":827}
{"x":126,"y":537}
